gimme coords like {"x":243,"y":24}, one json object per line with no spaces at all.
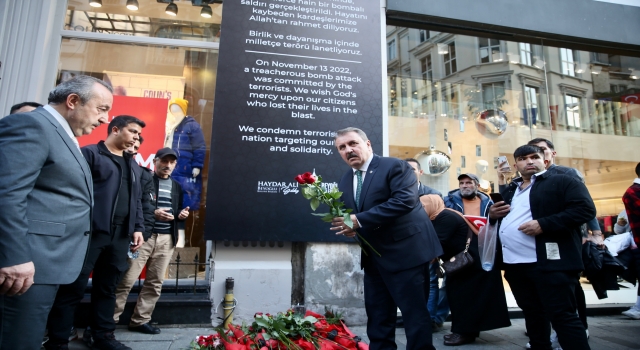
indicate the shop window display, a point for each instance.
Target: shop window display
{"x":172,"y":90}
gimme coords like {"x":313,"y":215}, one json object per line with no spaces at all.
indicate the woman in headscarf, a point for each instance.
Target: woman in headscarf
{"x":476,"y":297}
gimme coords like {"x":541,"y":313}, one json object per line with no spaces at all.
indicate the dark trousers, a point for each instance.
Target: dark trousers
{"x":23,"y":318}
{"x":107,"y":258}
{"x":581,"y":303}
{"x":547,"y":296}
{"x":386,"y":291}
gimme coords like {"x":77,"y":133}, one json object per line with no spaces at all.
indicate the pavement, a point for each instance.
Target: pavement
{"x":606,"y":333}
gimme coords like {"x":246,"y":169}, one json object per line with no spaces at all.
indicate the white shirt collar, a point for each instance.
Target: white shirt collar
{"x":63,"y":122}
{"x":637,"y":181}
{"x":533,"y":177}
{"x":365,"y":166}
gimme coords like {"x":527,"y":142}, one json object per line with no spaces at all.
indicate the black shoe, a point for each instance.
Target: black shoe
{"x":145,"y":328}
{"x":48,"y":346}
{"x":458,"y":339}
{"x":107,"y":341}
{"x":86,"y":337}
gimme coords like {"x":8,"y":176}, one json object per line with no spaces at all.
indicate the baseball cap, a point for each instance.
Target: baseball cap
{"x":471,"y":176}
{"x":166,"y":152}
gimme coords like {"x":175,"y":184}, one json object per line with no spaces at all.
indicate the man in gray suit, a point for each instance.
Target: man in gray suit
{"x":45,"y":211}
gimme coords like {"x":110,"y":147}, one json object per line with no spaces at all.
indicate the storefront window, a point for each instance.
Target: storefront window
{"x":145,"y":79}
{"x":586,"y":103}
{"x":191,"y":22}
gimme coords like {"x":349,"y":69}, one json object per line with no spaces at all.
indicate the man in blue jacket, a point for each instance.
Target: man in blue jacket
{"x":467,"y":199}
{"x":117,"y":220}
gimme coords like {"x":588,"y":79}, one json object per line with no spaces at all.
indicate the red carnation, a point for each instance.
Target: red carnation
{"x":300,"y":179}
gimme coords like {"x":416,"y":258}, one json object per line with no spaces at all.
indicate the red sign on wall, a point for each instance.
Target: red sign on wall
{"x":153,"y":111}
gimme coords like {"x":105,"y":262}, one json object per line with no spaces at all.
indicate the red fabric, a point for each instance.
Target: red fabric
{"x":631,"y":200}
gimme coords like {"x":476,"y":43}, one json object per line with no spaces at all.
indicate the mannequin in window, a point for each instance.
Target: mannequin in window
{"x":185,"y":137}
{"x":481,"y":169}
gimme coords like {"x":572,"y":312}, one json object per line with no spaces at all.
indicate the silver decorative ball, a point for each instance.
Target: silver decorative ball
{"x":433,"y":162}
{"x":491,"y":122}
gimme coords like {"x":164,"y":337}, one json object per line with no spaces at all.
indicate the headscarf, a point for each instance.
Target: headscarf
{"x":432,"y":204}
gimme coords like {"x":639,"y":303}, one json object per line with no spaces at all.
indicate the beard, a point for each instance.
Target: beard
{"x":468,"y":195}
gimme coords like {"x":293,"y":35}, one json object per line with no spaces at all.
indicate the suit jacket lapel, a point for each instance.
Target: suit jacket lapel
{"x":371,"y":172}
{"x":72,"y":148}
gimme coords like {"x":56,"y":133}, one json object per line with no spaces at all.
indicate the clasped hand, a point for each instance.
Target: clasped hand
{"x":342,"y":229}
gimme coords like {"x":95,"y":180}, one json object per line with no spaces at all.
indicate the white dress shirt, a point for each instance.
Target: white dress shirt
{"x":63,"y":122}
{"x":517,"y":247}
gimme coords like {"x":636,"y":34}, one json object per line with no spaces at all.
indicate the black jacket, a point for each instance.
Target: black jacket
{"x":176,"y":202}
{"x":561,"y":204}
{"x":147,"y":199}
{"x":105,"y":171}
{"x":424,"y":190}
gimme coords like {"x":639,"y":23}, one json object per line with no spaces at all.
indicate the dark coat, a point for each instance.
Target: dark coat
{"x":424,"y":190}
{"x":148,"y":200}
{"x":105,"y":171}
{"x":391,"y":215}
{"x":560,"y":204}
{"x":176,"y":203}
{"x":476,"y":297}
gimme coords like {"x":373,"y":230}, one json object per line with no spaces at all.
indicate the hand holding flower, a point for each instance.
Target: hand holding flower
{"x":339,"y":225}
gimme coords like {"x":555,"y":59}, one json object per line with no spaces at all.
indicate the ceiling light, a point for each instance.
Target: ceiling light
{"x":443,"y":49}
{"x":172,"y":9}
{"x":206,"y":11}
{"x":634,"y":74}
{"x":581,"y":68}
{"x":132,"y":5}
{"x":95,"y":3}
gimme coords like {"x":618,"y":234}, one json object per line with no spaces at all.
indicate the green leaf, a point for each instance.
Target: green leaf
{"x":310,"y":319}
{"x":347,"y":220}
{"x":315,"y":203}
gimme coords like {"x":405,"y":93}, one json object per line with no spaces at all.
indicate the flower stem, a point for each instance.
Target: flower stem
{"x":367,"y":243}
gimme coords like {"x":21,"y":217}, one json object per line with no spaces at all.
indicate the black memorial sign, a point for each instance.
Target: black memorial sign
{"x":290,"y":73}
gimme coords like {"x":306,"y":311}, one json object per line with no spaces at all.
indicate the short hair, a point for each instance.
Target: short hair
{"x":638,"y":169}
{"x":140,"y":139}
{"x":17,"y":106}
{"x":540,"y":139}
{"x":526,"y":150}
{"x":413,"y":160}
{"x":123,"y":120}
{"x":81,"y":85}
{"x":352,"y":129}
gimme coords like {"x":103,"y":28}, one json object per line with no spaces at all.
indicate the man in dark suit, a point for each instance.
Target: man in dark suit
{"x":540,"y":247}
{"x":383,"y":194}
{"x":423,"y":189}
{"x":46,"y":191}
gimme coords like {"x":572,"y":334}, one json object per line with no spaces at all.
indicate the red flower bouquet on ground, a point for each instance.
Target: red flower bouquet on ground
{"x":283,"y":331}
{"x":313,"y":190}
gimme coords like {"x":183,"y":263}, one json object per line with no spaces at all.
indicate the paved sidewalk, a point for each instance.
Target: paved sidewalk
{"x":607,"y":332}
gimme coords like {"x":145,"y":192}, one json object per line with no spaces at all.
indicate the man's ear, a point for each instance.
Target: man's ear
{"x":72,"y":101}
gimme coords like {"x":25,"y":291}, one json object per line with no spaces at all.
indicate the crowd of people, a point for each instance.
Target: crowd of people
{"x":71,"y":212}
{"x":544,"y":217}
